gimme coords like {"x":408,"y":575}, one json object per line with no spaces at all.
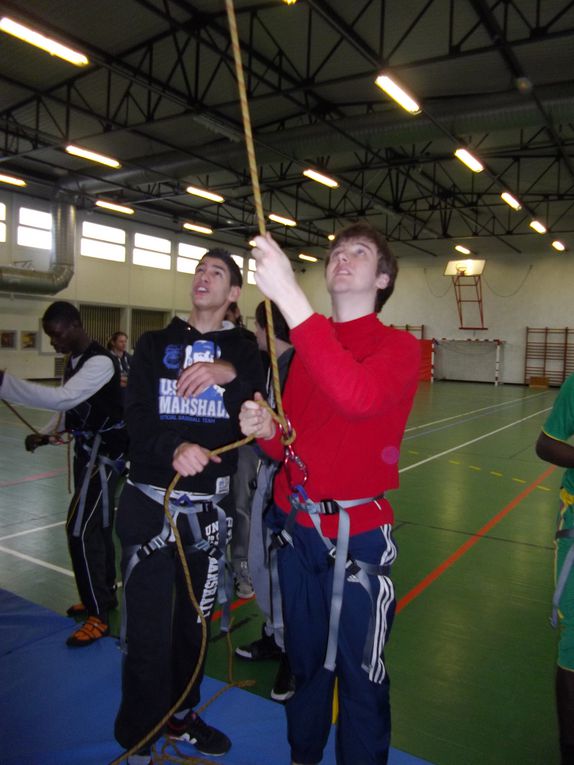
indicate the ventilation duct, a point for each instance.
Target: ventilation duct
{"x":61,"y":270}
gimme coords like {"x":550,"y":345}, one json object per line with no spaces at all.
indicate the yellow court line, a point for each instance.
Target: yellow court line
{"x":474,"y":467}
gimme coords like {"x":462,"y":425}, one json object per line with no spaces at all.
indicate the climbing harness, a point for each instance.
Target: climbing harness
{"x":189,"y":506}
{"x":90,"y":442}
{"x":567,"y":499}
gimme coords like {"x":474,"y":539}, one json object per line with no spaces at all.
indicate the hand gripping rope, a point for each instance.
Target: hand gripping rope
{"x":56,"y":435}
{"x":287,"y":432}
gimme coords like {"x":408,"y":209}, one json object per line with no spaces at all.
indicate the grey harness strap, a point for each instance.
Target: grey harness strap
{"x":93,"y":448}
{"x":345,"y":568}
{"x":189,"y":505}
{"x":564,"y":574}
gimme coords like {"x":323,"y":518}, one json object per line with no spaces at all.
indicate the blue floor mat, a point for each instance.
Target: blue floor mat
{"x":57,"y":705}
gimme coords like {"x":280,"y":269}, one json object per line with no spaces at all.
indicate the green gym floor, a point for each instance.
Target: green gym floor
{"x":471,"y":655}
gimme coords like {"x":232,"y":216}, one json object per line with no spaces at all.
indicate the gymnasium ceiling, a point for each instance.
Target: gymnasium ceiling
{"x":160,"y":95}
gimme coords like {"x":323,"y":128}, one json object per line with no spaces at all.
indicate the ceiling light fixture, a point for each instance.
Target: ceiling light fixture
{"x":114,"y":207}
{"x":93,"y":156}
{"x":205,"y":194}
{"x":469,"y":160}
{"x":510,"y":200}
{"x":558,"y":245}
{"x":282,"y":220}
{"x":539,"y":227}
{"x":462,"y":249}
{"x":398,"y":93}
{"x":289,"y":2}
{"x":320,"y":178}
{"x":310,"y":258}
{"x":39,"y":40}
{"x":252,"y":243}
{"x":331,"y":237}
{"x":198,"y":228}
{"x":12,"y":180}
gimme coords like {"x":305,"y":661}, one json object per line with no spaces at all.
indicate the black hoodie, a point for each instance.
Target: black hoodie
{"x":159,"y":420}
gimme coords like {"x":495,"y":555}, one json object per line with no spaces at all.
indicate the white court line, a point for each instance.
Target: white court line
{"x":473,"y":441}
{"x":402,"y":470}
{"x":37,"y":562}
{"x":474,"y":411}
{"x":32,"y":531}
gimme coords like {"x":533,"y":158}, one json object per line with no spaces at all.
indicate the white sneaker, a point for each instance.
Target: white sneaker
{"x":243,"y":586}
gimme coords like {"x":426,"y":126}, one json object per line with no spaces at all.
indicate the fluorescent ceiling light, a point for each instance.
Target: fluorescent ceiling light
{"x":310,"y":258}
{"x":283,"y":221}
{"x":462,"y":249}
{"x":198,"y":228}
{"x":114,"y":207}
{"x":469,"y":160}
{"x":204,"y":193}
{"x":398,"y":94}
{"x":41,"y":41}
{"x":511,"y":201}
{"x":539,"y":227}
{"x":12,"y":180}
{"x":102,"y":159}
{"x":470,"y":267}
{"x":320,"y":178}
{"x":558,"y":245}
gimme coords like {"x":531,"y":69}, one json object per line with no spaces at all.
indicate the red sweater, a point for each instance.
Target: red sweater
{"x":348,"y":394}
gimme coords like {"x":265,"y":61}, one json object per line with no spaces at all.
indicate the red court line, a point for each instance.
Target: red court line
{"x":452,"y":559}
{"x":36,"y":477}
{"x":234,"y":606}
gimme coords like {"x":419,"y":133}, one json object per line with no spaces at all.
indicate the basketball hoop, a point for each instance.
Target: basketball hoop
{"x":461,"y":270}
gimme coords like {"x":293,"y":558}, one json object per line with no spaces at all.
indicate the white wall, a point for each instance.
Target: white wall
{"x":517,"y":292}
{"x":94,"y":281}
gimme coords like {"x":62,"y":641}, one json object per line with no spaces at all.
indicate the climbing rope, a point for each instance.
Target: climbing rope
{"x":287,"y":437}
{"x":250,"y":147}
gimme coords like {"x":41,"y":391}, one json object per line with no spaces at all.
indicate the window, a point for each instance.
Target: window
{"x":252,"y":268}
{"x":34,"y":229}
{"x":152,"y":252}
{"x":2,"y":222}
{"x":104,"y":242}
{"x":188,"y":256}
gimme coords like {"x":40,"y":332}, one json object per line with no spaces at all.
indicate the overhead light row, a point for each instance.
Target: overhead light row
{"x":407,"y":101}
{"x":385,"y":81}
{"x":39,"y":40}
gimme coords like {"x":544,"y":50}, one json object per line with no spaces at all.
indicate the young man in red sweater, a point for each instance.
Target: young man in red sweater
{"x":348,"y":395}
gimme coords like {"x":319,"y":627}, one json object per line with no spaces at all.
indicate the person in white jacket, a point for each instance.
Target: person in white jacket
{"x":89,"y":407}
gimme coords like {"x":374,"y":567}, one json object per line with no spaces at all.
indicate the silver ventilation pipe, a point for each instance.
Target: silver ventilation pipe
{"x":61,"y":269}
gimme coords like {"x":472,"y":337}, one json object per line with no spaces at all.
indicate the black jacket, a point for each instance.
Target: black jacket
{"x":159,"y":420}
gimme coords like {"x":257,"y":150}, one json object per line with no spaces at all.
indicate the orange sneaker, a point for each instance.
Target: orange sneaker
{"x":93,"y":629}
{"x":78,"y":609}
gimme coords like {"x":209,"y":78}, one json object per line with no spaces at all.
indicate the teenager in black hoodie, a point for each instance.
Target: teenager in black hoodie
{"x":185,"y":389}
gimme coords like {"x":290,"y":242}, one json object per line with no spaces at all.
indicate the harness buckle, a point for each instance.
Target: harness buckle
{"x":157,"y":543}
{"x":351,"y":566}
{"x":280,"y":539}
